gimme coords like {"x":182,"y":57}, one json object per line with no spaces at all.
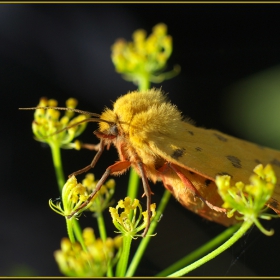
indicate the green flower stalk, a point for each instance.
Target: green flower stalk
{"x":128,"y":222}
{"x":143,"y":60}
{"x":59,"y":132}
{"x":49,"y":128}
{"x":72,"y":196}
{"x":94,"y":261}
{"x":249,"y":199}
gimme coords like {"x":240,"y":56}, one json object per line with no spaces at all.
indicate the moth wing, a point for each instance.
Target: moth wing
{"x":209,"y":153}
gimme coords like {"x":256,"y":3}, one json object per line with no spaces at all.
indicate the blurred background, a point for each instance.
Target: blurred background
{"x":230,"y":81}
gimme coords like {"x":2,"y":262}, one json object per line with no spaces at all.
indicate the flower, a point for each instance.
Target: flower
{"x":104,"y":195}
{"x":144,"y":57}
{"x":74,"y":194}
{"x":249,"y":199}
{"x":94,"y":260}
{"x":128,"y":221}
{"x":49,"y":128}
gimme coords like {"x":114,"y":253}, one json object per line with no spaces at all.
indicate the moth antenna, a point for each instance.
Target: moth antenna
{"x":72,"y":110}
{"x":77,"y":123}
{"x":63,"y":109}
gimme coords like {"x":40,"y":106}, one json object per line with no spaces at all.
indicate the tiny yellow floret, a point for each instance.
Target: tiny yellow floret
{"x":128,"y":221}
{"x":249,"y":199}
{"x":93,"y":261}
{"x":49,"y":128}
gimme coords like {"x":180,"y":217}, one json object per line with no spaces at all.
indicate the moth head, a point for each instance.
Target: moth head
{"x":108,"y":122}
{"x":113,"y":124}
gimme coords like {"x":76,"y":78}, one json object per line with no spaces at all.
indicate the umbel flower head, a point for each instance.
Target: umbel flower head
{"x":145,"y":57}
{"x":128,"y":221}
{"x":47,"y":122}
{"x":74,"y":194}
{"x":249,"y":199}
{"x":104,"y":195}
{"x":92,"y":261}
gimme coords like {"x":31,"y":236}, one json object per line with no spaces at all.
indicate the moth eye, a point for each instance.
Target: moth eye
{"x":113,"y":130}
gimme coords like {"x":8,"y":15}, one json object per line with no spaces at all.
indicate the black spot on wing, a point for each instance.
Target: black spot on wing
{"x":190,"y":132}
{"x":191,"y":172}
{"x":198,"y":149}
{"x":207,"y":182}
{"x":236,"y":162}
{"x":178,"y":153}
{"x":275,"y":162}
{"x":257,"y":161}
{"x":220,"y":137}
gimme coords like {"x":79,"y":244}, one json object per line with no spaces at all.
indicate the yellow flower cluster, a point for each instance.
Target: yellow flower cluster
{"x":145,"y":56}
{"x":249,"y":199}
{"x":93,"y":261}
{"x":128,"y":221}
{"x":74,"y":194}
{"x":47,"y":123}
{"x":104,"y":195}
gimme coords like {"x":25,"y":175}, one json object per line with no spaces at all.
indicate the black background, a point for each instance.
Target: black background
{"x":63,"y":51}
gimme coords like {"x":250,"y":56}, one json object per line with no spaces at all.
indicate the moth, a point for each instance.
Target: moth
{"x":152,"y":136}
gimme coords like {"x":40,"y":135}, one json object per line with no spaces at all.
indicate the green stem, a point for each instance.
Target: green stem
{"x":208,"y":247}
{"x":145,"y":241}
{"x":244,"y":227}
{"x":133,"y":184}
{"x":78,"y":233}
{"x":101,"y":227}
{"x":122,"y":263}
{"x":144,"y":82}
{"x":103,"y":236}
{"x":56,"y":156}
{"x":73,"y":227}
{"x":70,"y":232}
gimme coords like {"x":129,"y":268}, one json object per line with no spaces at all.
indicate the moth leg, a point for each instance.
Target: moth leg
{"x":193,"y":190}
{"x":118,"y":167}
{"x":274,"y":205}
{"x":91,"y":147}
{"x":148,"y":193}
{"x":94,"y":161}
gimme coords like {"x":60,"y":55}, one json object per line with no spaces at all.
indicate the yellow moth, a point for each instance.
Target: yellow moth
{"x":151,"y":135}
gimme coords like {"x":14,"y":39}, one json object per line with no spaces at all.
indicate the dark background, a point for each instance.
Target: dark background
{"x":63,"y":51}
